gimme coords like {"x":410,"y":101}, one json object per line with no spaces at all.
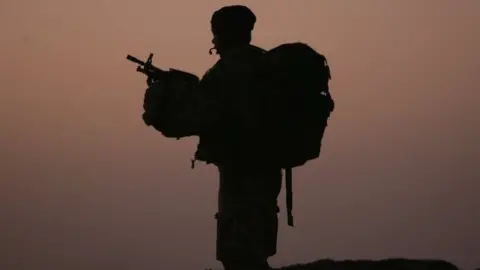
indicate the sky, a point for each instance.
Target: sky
{"x":84,"y":184}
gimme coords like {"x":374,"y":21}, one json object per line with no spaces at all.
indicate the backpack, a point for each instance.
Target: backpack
{"x":293,"y":104}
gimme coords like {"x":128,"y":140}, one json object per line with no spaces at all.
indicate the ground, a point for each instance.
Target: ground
{"x":388,"y":264}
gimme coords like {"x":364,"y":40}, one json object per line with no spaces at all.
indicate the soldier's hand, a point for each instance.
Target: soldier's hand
{"x":153,"y":96}
{"x":150,"y":81}
{"x":147,"y":119}
{"x":154,"y":103}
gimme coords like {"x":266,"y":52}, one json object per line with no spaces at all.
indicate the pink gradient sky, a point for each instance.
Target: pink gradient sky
{"x":85,"y":185}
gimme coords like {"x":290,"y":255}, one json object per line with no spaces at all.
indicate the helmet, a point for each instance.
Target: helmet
{"x":236,"y":19}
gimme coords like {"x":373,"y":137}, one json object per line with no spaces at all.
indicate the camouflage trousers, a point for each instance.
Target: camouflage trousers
{"x":247,"y":222}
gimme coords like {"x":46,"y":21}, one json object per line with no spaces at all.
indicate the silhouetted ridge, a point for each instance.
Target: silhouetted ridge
{"x":390,"y":264}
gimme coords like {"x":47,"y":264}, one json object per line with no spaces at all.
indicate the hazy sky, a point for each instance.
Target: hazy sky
{"x":86,"y":185}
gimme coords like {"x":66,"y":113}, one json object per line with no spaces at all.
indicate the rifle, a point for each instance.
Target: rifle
{"x":153,"y":73}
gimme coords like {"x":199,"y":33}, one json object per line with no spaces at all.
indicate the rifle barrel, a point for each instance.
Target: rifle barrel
{"x":135,"y":60}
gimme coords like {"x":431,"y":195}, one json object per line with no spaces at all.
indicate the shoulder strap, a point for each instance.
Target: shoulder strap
{"x":289,"y":193}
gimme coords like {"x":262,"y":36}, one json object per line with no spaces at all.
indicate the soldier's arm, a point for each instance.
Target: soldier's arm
{"x":170,"y":104}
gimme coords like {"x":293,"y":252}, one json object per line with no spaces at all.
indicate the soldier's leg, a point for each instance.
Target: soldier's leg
{"x":247,"y":222}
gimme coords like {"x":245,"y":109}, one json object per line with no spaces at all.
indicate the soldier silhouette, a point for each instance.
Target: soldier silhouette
{"x":222,"y":109}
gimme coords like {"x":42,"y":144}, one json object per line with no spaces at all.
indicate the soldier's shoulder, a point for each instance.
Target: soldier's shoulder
{"x":257,"y":49}
{"x":246,"y":53}
{"x":215,"y":70}
{"x":242,"y":58}
{"x":234,"y":62}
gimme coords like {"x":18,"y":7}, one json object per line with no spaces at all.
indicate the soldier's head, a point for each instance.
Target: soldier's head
{"x":232,"y":27}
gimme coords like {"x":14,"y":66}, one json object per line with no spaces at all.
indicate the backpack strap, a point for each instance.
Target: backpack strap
{"x":289,"y":193}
